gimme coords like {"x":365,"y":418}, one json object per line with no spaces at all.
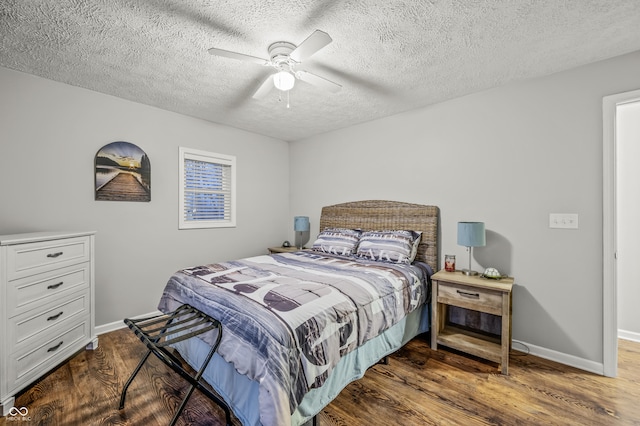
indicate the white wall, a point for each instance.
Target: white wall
{"x":628,"y":211}
{"x":507,"y":156}
{"x":50,"y":135}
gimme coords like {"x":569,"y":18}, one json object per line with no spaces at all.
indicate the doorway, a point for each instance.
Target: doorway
{"x":611,"y":105}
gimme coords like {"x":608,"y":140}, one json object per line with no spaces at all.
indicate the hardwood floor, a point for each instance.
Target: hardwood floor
{"x":418,"y":387}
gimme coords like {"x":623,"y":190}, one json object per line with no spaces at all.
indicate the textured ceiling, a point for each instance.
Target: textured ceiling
{"x":389,"y":56}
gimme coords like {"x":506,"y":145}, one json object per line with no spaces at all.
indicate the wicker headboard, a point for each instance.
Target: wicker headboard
{"x":378,"y":215}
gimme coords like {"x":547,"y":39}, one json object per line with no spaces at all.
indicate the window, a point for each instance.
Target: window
{"x":207,"y":189}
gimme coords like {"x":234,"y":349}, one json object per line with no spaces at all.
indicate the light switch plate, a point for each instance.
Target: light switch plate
{"x":563,"y":220}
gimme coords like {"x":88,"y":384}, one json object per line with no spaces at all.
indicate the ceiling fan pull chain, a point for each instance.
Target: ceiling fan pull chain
{"x":288,"y":106}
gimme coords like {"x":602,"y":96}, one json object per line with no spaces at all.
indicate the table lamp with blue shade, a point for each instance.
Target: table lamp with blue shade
{"x":471,"y":234}
{"x":302,"y":227}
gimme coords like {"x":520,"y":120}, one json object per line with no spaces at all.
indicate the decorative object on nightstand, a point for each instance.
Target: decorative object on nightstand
{"x":471,"y":234}
{"x":449,"y":263}
{"x":301,"y":226}
{"x":478,"y":294}
{"x":492,"y":273}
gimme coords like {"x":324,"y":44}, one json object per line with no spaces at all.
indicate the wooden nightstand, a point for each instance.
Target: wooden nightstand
{"x":281,"y":249}
{"x":478,"y":294}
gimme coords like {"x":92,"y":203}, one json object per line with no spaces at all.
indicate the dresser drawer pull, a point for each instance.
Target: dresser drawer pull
{"x":55,"y":317}
{"x":54,"y":286}
{"x":467,"y":294}
{"x":54,"y":255}
{"x":56,"y":347}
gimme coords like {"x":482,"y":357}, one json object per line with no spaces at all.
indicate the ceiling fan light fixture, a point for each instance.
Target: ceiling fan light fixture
{"x":284,"y":80}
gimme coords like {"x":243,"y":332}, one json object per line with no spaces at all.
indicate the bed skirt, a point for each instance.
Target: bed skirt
{"x":241,"y":393}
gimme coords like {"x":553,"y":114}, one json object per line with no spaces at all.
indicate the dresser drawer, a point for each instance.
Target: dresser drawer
{"x":33,"y":258}
{"x":26,"y":292}
{"x":27,"y":365}
{"x":478,"y":299}
{"x":31,"y":323}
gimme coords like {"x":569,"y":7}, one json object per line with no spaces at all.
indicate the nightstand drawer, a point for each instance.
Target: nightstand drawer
{"x":33,"y":258}
{"x":26,"y":293}
{"x":25,"y":326}
{"x":478,"y":299}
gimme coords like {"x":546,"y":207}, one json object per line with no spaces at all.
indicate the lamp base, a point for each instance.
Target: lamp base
{"x":469,"y":272}
{"x":301,"y":239}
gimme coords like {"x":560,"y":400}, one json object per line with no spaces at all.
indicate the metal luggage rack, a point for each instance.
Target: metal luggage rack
{"x":159,"y":332}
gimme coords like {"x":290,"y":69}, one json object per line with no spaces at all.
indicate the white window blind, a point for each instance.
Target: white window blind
{"x":207,"y":189}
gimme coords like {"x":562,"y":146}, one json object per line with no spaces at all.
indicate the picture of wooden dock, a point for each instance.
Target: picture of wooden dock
{"x":123,"y":173}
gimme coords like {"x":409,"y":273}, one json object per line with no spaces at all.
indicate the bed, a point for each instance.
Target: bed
{"x":292,"y":341}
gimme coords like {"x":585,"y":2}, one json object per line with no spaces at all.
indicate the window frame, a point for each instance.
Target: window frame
{"x":213,"y":158}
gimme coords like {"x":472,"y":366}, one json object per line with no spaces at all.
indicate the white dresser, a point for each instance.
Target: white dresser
{"x":46,"y":305}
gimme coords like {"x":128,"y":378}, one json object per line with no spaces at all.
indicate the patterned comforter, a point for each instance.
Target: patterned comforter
{"x":288,"y":318}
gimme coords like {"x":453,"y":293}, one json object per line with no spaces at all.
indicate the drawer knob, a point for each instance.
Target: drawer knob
{"x":468,"y":294}
{"x":54,"y":255}
{"x":54,"y":286}
{"x":56,"y":347}
{"x":55,"y":317}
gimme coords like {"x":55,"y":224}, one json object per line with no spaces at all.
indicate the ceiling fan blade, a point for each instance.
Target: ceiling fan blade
{"x":264,"y":88}
{"x":239,"y":56}
{"x":316,"y":41}
{"x":318,"y":81}
{"x":347,"y":78}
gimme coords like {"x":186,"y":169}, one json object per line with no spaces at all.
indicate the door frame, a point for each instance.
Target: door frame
{"x":609,"y":229}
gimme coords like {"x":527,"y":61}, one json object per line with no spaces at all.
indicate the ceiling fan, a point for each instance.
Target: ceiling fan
{"x":284,"y":57}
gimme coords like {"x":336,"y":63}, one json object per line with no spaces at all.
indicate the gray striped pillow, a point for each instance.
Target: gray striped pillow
{"x":337,"y":241}
{"x":389,"y":246}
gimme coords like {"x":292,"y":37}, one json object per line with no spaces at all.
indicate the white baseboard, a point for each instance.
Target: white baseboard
{"x":629,"y":335}
{"x":562,"y":358}
{"x":105,"y":328}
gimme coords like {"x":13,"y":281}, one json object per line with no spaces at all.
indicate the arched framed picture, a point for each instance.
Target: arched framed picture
{"x":123,"y":173}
